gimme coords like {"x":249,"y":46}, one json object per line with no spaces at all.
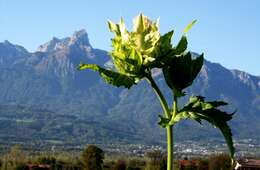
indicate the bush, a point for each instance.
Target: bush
{"x":219,"y":162}
{"x":120,"y":165}
{"x":15,"y":158}
{"x":133,"y":168}
{"x":20,"y":166}
{"x":92,"y":158}
{"x":134,"y":165}
{"x":156,"y":160}
{"x":203,"y":164}
{"x":46,"y":160}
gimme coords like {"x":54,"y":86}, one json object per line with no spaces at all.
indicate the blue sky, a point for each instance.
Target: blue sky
{"x":228,"y":32}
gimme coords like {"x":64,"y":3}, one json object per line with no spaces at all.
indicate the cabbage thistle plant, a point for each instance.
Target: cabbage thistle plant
{"x":134,"y":55}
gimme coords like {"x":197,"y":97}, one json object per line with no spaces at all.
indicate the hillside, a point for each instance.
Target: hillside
{"x":44,"y":96}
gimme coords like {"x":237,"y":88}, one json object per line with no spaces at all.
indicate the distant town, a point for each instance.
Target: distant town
{"x":185,"y":149}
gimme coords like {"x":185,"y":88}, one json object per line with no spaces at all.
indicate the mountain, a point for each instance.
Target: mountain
{"x":11,"y":53}
{"x":48,"y":78}
{"x":53,"y":100}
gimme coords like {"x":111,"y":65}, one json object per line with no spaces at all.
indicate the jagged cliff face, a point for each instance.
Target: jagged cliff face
{"x":60,"y":57}
{"x":78,"y":40}
{"x":48,"y":78}
{"x":10,"y":53}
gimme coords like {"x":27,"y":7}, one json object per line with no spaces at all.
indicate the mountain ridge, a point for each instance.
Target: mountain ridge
{"x":48,"y":79}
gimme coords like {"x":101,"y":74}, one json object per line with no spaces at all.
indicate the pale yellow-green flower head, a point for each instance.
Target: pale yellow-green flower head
{"x":134,"y":50}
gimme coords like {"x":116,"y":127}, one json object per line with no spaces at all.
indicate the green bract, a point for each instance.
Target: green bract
{"x":135,"y":53}
{"x":185,"y":66}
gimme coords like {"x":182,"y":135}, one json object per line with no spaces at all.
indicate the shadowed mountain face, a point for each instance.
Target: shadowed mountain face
{"x":49,"y":79}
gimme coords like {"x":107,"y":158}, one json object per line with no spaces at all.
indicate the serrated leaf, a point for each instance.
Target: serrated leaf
{"x":181,"y":46}
{"x":189,"y":26}
{"x":181,"y":72}
{"x":179,"y":117}
{"x":111,"y":77}
{"x":197,"y":109}
{"x":165,"y":40}
{"x":164,"y":122}
{"x":163,"y":50}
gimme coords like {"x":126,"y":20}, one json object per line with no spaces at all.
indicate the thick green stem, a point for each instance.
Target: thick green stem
{"x":170,"y":136}
{"x":170,"y":148}
{"x":168,"y":115}
{"x":175,"y":106}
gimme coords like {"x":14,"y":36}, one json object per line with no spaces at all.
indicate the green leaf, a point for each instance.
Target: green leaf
{"x":163,"y":50}
{"x":164,"y":122}
{"x":181,"y":46}
{"x":112,"y":26}
{"x":197,"y":109}
{"x":182,"y":71}
{"x":111,"y":77}
{"x":165,"y":40}
{"x":189,"y":26}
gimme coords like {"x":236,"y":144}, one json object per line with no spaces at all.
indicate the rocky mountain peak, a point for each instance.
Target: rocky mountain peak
{"x":245,"y":78}
{"x":7,"y":42}
{"x":6,"y":45}
{"x":49,"y":46}
{"x":78,"y":39}
{"x":9,"y":53}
